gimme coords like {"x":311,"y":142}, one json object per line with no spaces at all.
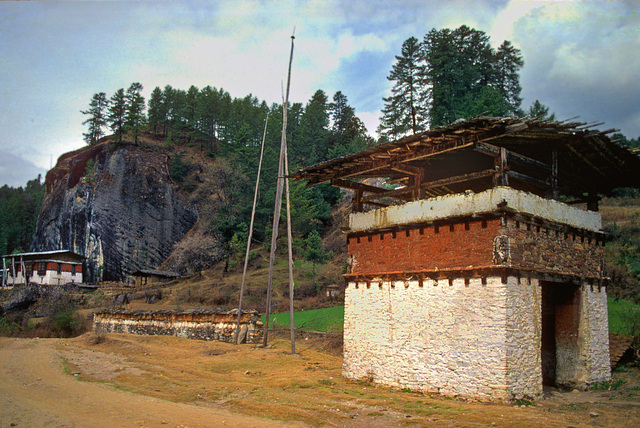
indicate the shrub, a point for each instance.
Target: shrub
{"x":8,"y":328}
{"x":66,"y":322}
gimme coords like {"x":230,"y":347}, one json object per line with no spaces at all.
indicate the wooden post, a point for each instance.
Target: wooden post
{"x":278,"y":205}
{"x":24,"y":271}
{"x":504,"y":178}
{"x":357,"y":201}
{"x":554,"y":174}
{"x":13,"y":268}
{"x":418,"y":179}
{"x":292,"y":328}
{"x":253,"y":214}
{"x":592,"y":201}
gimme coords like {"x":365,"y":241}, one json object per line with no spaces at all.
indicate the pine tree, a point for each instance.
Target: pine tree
{"x":135,"y":106}
{"x":189,"y":113}
{"x":312,"y":145}
{"x":117,"y":114}
{"x":508,"y":62}
{"x":540,"y":111}
{"x":405,"y":111}
{"x":464,"y":74}
{"x":391,"y":124}
{"x":341,"y":113}
{"x":97,"y":119}
{"x":315,"y":251}
{"x":347,"y":133}
{"x":156,"y":114}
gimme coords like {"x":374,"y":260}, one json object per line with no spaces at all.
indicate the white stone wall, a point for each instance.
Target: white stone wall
{"x":446,"y":337}
{"x":595,"y":363}
{"x":51,"y":277}
{"x":460,"y":205}
{"x":524,"y":333}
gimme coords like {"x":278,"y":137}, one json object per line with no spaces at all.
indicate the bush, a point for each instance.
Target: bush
{"x":66,"y":322}
{"x":8,"y":328}
{"x":178,"y":168}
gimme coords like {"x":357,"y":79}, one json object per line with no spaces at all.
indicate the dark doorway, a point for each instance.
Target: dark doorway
{"x":560,"y":323}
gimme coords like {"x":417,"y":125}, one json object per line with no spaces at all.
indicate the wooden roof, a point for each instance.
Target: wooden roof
{"x":547,"y":158}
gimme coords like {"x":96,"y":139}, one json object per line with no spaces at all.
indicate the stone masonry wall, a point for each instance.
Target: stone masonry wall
{"x":473,"y":243}
{"x":550,"y":248}
{"x":424,"y":248}
{"x":594,"y":334}
{"x":523,"y":336}
{"x":201,"y":324}
{"x":444,"y":336}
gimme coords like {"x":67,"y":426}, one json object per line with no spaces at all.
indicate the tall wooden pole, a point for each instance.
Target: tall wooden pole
{"x":292,"y":328}
{"x":278,"y":205}
{"x":253,"y":214}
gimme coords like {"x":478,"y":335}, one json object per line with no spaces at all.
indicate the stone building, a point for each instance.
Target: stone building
{"x":44,"y":268}
{"x":477,"y":270}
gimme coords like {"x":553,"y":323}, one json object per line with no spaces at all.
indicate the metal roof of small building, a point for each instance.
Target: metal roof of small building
{"x":44,"y":254}
{"x":161,"y":273}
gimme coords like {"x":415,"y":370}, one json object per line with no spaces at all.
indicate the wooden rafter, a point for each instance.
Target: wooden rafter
{"x":431,"y":186}
{"x":585,"y":160}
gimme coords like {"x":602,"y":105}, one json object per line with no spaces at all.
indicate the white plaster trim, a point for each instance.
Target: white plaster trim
{"x":467,"y":204}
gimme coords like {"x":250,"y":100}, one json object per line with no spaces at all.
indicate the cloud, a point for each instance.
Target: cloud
{"x":15,"y":171}
{"x":580,"y":60}
{"x":579,"y":56}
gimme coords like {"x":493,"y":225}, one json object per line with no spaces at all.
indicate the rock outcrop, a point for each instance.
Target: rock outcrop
{"x":114,"y":204}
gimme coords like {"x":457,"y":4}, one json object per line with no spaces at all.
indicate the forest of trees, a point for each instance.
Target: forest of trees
{"x":449,"y":75}
{"x":230,"y":130}
{"x":19,"y":210}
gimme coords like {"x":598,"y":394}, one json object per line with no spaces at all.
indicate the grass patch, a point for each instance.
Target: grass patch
{"x":608,"y":385}
{"x":328,"y":320}
{"x":624,"y":317}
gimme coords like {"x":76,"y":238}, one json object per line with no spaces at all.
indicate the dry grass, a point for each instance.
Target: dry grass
{"x":308,"y":387}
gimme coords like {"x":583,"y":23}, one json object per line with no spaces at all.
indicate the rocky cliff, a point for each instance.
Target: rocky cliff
{"x":114,"y":204}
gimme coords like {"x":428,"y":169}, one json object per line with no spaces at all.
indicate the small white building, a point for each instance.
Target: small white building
{"x":45,"y":268}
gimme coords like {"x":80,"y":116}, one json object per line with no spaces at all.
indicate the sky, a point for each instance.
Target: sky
{"x":582,"y":58}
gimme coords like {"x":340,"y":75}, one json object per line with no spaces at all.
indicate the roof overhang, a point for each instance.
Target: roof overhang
{"x":547,"y":158}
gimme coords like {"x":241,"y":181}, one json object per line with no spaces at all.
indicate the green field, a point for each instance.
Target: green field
{"x":624,"y":318}
{"x":324,"y":320}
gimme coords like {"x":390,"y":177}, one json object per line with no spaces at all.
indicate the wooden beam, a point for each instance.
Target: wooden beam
{"x":377,"y":204}
{"x":406,"y":169}
{"x":354,"y":185}
{"x":430,"y":185}
{"x":491,"y":150}
{"x":527,"y":179}
{"x":421,"y":153}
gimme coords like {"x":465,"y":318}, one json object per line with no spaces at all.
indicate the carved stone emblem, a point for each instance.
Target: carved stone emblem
{"x":501,"y":250}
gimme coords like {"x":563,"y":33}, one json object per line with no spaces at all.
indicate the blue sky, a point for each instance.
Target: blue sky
{"x":581,"y":58}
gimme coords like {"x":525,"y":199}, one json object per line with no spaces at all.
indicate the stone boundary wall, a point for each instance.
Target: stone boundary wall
{"x":215,"y":325}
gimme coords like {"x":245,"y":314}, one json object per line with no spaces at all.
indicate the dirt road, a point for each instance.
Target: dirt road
{"x":36,"y":392}
{"x":161,"y":381}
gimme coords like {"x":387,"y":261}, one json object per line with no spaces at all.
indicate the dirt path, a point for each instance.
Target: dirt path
{"x":35,"y":392}
{"x":158,"y":381}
